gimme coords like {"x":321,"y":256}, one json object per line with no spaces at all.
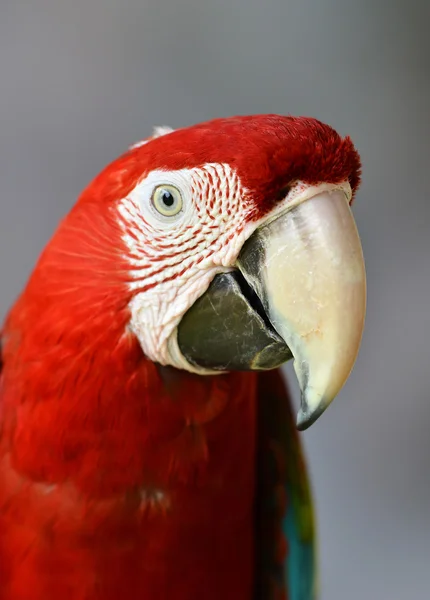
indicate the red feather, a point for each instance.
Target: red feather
{"x":119,"y":479}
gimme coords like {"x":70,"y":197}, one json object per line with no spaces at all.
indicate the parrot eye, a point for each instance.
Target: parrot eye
{"x":167,"y":200}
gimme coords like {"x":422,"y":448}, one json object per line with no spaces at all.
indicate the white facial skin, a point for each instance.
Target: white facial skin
{"x":174,"y":257}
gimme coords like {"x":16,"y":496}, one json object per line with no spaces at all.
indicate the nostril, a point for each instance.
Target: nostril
{"x":283,"y":193}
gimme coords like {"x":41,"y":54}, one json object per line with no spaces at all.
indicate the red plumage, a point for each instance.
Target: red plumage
{"x":85,"y":412}
{"x":118,"y":478}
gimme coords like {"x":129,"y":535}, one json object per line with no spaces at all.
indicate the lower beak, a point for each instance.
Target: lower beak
{"x":299,"y":291}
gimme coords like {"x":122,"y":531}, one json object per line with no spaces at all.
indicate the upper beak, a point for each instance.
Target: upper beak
{"x":300,"y":290}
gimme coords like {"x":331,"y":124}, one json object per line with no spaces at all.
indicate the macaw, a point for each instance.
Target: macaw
{"x":148,"y":449}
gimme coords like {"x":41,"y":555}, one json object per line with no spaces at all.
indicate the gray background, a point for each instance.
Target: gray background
{"x":80,"y":80}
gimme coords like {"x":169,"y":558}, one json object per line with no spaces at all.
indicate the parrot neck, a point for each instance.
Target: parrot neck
{"x":145,"y":471}
{"x":75,"y":390}
{"x":81,"y":397}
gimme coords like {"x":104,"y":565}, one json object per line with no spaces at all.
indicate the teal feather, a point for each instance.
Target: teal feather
{"x":285,"y":529}
{"x":300,"y":561}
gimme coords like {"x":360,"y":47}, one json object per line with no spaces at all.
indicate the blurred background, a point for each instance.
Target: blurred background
{"x":81,"y":80}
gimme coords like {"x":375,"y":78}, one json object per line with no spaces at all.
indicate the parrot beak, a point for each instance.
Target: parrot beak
{"x":299,"y":291}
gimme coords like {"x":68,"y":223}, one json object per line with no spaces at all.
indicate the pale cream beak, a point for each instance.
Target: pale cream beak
{"x":312,"y":284}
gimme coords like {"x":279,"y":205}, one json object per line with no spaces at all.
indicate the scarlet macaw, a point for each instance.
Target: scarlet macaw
{"x":147,"y":445}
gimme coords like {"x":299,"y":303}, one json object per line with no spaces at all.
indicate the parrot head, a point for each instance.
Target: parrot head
{"x":225,"y":246}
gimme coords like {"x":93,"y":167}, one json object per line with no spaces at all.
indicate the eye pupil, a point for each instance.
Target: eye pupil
{"x":168,"y":199}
